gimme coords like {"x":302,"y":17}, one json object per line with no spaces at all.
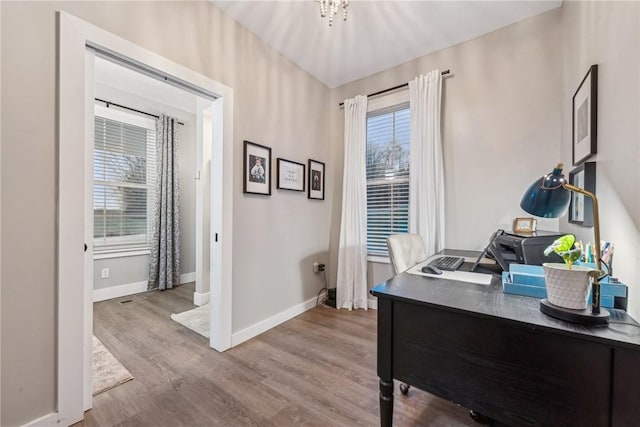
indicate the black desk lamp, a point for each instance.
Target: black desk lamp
{"x":549,"y":197}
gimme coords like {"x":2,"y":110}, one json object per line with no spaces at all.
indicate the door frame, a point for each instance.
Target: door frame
{"x":75,"y":302}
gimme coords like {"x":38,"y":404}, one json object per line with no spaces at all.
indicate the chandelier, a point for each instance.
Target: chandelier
{"x":330,"y":7}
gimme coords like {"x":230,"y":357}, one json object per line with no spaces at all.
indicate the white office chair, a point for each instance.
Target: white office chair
{"x":405,"y":251}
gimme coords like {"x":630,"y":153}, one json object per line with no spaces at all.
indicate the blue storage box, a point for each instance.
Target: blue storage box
{"x":528,"y":280}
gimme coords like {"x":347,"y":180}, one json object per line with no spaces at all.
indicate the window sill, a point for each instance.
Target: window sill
{"x":378,"y":259}
{"x":120,"y":253}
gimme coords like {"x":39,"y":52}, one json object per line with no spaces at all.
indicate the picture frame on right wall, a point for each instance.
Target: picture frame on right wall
{"x":316,"y":180}
{"x":580,"y":206}
{"x":585,"y":118}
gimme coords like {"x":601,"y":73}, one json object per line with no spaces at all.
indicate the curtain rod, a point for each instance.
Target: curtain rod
{"x":130,"y":109}
{"x":380,"y":92}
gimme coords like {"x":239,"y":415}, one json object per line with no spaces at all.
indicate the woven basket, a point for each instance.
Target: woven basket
{"x":567,"y":288}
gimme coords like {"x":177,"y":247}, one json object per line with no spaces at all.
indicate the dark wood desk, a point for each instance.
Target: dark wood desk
{"x":497,"y":354}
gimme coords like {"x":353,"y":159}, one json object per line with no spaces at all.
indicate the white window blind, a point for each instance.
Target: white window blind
{"x":387,"y":176}
{"x":124,"y":179}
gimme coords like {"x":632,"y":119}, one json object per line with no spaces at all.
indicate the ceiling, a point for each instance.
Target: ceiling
{"x":377,"y":34}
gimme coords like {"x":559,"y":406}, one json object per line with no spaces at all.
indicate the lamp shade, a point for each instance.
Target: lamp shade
{"x":547,"y":197}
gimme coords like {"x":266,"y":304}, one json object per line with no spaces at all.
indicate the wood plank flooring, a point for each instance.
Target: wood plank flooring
{"x":318,"y":369}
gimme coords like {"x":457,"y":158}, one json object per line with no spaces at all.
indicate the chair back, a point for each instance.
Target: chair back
{"x":405,"y":251}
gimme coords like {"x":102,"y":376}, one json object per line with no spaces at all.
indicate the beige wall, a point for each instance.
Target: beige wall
{"x":608,"y":34}
{"x":501,"y":124}
{"x":276,"y":104}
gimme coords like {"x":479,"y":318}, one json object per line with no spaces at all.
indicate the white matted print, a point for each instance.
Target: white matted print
{"x":316,"y":180}
{"x":257,"y":168}
{"x":585,"y":104}
{"x":290,"y":175}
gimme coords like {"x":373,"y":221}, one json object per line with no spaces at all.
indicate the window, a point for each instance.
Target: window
{"x":387,"y":176}
{"x":124,"y":180}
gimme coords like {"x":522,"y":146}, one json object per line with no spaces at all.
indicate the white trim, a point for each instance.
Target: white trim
{"x":71,"y":285}
{"x":47,"y":420}
{"x":89,"y":263}
{"x":120,"y":291}
{"x":271,"y":322}
{"x":372,"y":303}
{"x":120,"y":253}
{"x":221,"y":225}
{"x":132,"y":288}
{"x":378,"y":259}
{"x":397,"y":97}
{"x":188,"y":277}
{"x":74,"y":293}
{"x":201,"y":299}
{"x":124,"y":116}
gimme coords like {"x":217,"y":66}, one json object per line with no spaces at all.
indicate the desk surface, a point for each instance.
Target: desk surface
{"x":491,"y":301}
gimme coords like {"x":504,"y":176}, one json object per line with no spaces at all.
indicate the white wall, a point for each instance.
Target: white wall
{"x":608,"y":34}
{"x":276,"y":238}
{"x":501,"y":126}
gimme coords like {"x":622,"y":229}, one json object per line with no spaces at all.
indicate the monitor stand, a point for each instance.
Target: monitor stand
{"x":487,"y":250}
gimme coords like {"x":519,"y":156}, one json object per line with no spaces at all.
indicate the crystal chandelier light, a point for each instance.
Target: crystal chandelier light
{"x":330,"y":7}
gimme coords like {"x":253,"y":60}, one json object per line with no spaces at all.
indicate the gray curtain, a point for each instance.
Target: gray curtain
{"x":164,"y":261}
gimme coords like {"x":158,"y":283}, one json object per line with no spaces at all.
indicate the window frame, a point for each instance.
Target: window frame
{"x":388,"y":101}
{"x":119,"y":249}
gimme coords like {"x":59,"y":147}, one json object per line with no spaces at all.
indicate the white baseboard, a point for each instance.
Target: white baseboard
{"x":46,"y":421}
{"x":132,"y":288}
{"x":271,"y":322}
{"x":187,"y":277}
{"x":372,"y":303}
{"x":119,"y":291}
{"x":200,"y":299}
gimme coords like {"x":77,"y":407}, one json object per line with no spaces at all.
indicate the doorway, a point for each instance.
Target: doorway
{"x":78,"y":42}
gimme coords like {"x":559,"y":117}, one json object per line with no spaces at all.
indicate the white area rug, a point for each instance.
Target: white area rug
{"x":107,"y":371}
{"x":197,"y":319}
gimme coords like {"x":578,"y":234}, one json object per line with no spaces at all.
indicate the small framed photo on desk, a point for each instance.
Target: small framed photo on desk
{"x":524,"y":225}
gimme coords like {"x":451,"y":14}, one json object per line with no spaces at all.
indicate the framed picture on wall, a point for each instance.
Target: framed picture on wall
{"x":257,"y":169}
{"x":316,"y":180}
{"x":580,"y":206}
{"x":290,"y":175}
{"x":585,"y":114}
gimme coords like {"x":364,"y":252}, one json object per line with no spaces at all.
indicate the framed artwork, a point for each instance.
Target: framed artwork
{"x":524,"y":225}
{"x":580,"y":206}
{"x":585,"y":114}
{"x":316,"y":180}
{"x":290,"y":175}
{"x":257,"y":169}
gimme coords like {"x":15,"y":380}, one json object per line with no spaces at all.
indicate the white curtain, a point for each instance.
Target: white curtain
{"x":352,"y":250}
{"x":426,"y":171}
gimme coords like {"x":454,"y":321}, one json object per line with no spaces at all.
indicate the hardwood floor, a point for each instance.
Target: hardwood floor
{"x":318,"y":369}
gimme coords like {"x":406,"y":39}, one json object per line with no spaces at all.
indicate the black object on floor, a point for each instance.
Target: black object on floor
{"x":331,"y":297}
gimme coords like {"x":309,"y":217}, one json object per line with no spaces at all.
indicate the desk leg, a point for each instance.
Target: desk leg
{"x":386,"y":403}
{"x":385,"y":370}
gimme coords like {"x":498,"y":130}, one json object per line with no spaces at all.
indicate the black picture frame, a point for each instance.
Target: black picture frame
{"x":316,"y":180}
{"x":580,"y":206}
{"x":585,"y":118}
{"x":256,"y":156}
{"x":291,"y":175}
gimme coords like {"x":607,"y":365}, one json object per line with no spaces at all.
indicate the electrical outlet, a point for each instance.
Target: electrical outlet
{"x":105,"y":273}
{"x":320,"y":267}
{"x":316,"y":267}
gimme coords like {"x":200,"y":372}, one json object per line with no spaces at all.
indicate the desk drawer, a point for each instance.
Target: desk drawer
{"x":520,"y":376}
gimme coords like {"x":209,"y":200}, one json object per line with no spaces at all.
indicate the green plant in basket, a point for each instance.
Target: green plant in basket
{"x":562,"y":246}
